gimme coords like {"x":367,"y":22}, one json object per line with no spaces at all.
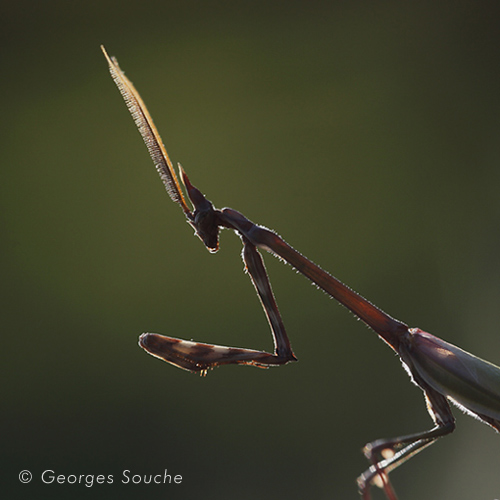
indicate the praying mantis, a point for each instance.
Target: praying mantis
{"x":444,"y":372}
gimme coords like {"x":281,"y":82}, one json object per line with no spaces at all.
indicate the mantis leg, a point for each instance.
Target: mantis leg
{"x":198,"y":357}
{"x":255,"y":268}
{"x":387,"y":327}
{"x":399,"y":449}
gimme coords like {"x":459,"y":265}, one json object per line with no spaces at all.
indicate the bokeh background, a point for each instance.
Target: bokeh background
{"x":365,"y":133}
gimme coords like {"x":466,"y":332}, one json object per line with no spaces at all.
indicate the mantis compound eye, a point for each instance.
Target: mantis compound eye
{"x":206,"y":227}
{"x":204,"y":219}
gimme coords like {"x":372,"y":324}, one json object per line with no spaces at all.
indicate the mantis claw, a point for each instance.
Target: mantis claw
{"x":197,"y":357}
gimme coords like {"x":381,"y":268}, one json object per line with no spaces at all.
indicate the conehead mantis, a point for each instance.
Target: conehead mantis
{"x":445,"y":373}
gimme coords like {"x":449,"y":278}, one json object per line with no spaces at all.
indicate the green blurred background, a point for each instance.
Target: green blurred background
{"x":365,"y":133}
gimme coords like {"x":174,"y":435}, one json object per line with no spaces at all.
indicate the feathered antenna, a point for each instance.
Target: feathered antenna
{"x":150,"y":135}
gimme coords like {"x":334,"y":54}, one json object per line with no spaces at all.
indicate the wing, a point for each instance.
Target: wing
{"x":471,"y":382}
